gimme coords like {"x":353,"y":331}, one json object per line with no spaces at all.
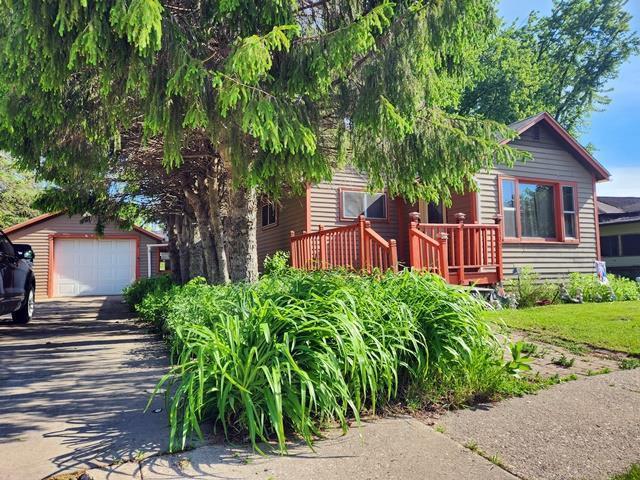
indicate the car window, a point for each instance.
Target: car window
{"x":6,"y":247}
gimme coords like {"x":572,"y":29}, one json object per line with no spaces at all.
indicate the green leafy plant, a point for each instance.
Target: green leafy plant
{"x":530,"y":291}
{"x":563,"y":361}
{"x":276,"y":264}
{"x":617,"y":288}
{"x":299,"y":349}
{"x":629,"y":363}
{"x":519,"y":362}
{"x":138,"y":290}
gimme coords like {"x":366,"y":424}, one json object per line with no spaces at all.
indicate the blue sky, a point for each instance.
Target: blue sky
{"x":616,"y":131}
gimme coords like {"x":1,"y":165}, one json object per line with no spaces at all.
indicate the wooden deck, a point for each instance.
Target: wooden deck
{"x":462,"y":254}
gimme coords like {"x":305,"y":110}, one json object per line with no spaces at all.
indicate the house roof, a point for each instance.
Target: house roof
{"x":48,"y":216}
{"x":618,"y":210}
{"x":571,"y":143}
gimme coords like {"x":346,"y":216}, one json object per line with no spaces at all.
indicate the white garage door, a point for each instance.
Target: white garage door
{"x":93,"y":266}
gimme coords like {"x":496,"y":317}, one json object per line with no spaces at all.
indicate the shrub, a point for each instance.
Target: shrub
{"x":276,"y":264}
{"x":530,"y":291}
{"x":135,"y":293}
{"x":296,"y":350}
{"x":618,"y":288}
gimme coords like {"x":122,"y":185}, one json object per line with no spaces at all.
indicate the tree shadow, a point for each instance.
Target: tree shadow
{"x":75,"y":382}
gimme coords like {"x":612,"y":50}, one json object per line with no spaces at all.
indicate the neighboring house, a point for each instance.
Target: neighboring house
{"x":548,"y":209}
{"x":620,"y":234}
{"x":71,"y":260}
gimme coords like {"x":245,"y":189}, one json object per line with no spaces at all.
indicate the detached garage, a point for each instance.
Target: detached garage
{"x":71,"y":260}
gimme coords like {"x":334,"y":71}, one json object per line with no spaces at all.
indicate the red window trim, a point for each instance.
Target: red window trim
{"x":341,"y":216}
{"x":277,"y":215}
{"x":558,"y":211}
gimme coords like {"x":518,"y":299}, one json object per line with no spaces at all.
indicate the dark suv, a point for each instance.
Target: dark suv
{"x":17,"y":283}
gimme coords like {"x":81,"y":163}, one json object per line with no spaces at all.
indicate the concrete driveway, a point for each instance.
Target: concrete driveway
{"x":74,"y":384}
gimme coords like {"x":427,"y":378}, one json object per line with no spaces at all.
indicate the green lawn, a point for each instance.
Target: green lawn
{"x":614,"y":326}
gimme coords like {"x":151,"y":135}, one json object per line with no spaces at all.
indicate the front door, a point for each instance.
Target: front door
{"x":431,"y":212}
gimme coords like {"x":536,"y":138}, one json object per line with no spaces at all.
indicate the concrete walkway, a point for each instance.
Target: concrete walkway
{"x":585,"y":429}
{"x":73,"y":387}
{"x":400,"y":448}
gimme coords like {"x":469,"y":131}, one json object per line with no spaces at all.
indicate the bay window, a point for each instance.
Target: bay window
{"x":538,"y":210}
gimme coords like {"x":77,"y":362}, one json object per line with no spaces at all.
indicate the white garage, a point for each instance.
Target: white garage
{"x":93,"y":266}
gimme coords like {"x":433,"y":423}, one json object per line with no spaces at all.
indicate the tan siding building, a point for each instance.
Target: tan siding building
{"x":551,"y":161}
{"x":551,"y":216}
{"x":42,"y":233}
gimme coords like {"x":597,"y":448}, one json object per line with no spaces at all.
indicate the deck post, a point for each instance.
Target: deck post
{"x":444,"y":254}
{"x":415,"y":260}
{"x":361,"y":228}
{"x":393,"y":255}
{"x":323,"y":248}
{"x":294,"y":257}
{"x":499,"y":268}
{"x":460,"y":246}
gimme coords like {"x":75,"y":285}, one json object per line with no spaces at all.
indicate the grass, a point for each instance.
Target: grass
{"x":632,"y":474}
{"x":612,"y":326}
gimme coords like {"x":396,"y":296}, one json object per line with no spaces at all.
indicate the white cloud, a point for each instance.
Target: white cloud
{"x":625,"y":182}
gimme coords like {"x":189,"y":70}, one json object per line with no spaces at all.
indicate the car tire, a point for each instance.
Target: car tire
{"x":25,"y":313}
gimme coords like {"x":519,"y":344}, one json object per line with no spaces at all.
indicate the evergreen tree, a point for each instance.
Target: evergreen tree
{"x":265,"y":94}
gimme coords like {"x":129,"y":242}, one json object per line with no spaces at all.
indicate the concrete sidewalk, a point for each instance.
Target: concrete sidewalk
{"x":585,"y":429}
{"x":399,"y":448}
{"x":73,"y":387}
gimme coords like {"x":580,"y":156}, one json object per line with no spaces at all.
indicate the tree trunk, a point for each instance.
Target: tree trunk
{"x":240,"y":229}
{"x":208,"y":247}
{"x":217,"y":229}
{"x":174,"y":252}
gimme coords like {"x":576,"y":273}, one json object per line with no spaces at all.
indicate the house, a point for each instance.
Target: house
{"x":620,"y":234}
{"x":540,"y":213}
{"x":71,"y":260}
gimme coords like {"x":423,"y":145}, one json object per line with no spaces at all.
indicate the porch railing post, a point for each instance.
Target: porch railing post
{"x":361,"y":228}
{"x":460,"y":246}
{"x":499,"y":267}
{"x":292,"y":249}
{"x":415,"y":259}
{"x":444,"y":254}
{"x":393,"y":255}
{"x":323,"y":247}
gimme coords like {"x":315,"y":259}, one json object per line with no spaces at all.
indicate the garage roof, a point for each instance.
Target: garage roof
{"x":48,"y":216}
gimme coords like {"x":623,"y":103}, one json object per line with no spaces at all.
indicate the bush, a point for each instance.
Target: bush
{"x":297,"y":350}
{"x":530,"y":291}
{"x":135,"y":293}
{"x":276,"y":264}
{"x":618,"y":288}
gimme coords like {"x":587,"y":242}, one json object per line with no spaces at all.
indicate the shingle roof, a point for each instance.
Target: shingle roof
{"x":622,"y":204}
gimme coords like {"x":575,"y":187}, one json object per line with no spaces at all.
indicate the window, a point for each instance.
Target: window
{"x":6,"y":247}
{"x":371,"y":205}
{"x":538,"y":210}
{"x":630,"y":245}
{"x":269,"y":215}
{"x":610,"y":246}
{"x":569,"y":211}
{"x":509,"y":207}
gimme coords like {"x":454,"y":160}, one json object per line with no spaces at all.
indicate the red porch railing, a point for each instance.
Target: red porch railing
{"x":461,"y":253}
{"x":355,"y":246}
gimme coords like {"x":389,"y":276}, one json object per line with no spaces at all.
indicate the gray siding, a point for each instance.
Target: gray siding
{"x":291,"y":215}
{"x":37,"y":235}
{"x":325,"y":209}
{"x":551,"y":161}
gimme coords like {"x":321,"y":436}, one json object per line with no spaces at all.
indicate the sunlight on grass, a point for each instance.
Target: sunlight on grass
{"x":613,"y":326}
